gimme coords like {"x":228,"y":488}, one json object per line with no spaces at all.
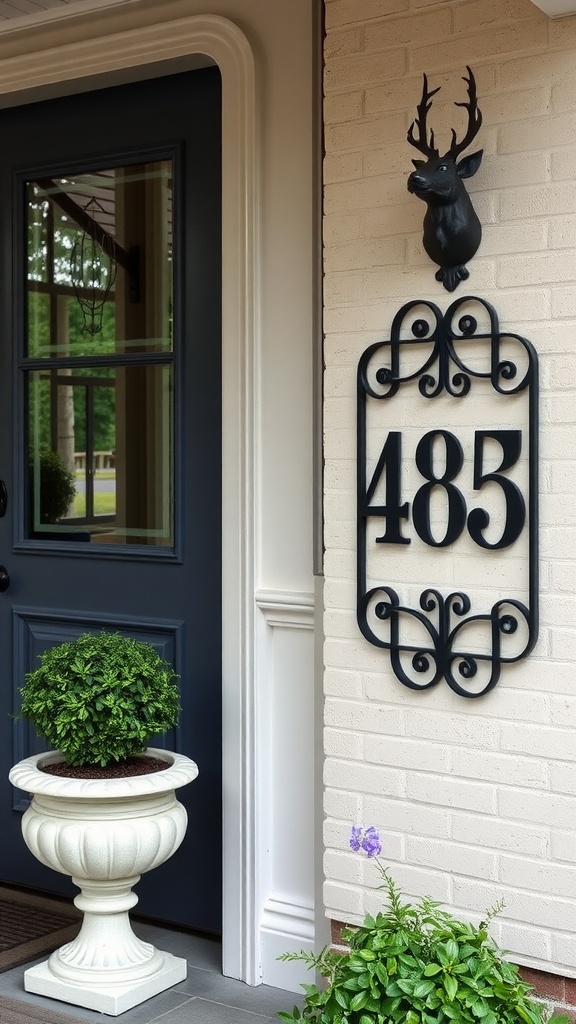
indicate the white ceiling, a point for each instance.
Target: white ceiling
{"x":556,"y":8}
{"x":28,"y":8}
{"x":21,"y":8}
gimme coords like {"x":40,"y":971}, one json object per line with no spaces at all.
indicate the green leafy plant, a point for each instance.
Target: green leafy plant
{"x":100,"y":698}
{"x":57,"y":485}
{"x":415,"y":964}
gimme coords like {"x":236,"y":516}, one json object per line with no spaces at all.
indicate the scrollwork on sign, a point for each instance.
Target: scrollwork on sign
{"x":448,"y":355}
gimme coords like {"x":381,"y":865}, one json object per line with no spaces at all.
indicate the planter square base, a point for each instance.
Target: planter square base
{"x":112,"y":999}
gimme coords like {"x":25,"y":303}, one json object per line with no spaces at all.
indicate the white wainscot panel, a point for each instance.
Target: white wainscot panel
{"x":285,"y":812}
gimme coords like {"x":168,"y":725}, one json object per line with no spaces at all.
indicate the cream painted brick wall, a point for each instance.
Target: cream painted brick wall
{"x":474,"y":799}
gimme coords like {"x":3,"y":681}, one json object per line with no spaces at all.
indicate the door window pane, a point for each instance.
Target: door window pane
{"x":100,"y":455}
{"x":98,"y":362}
{"x":100,"y":255}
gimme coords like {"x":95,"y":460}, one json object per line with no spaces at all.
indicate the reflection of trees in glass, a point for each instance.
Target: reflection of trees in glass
{"x":40,"y":215}
{"x":39,"y":411}
{"x":37,"y":248}
{"x":39,"y":343}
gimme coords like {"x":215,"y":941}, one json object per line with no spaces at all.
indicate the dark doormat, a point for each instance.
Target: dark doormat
{"x":31,"y":926}
{"x":12,"y":1011}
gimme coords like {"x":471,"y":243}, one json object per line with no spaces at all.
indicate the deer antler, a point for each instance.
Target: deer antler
{"x":421,"y":142}
{"x":474,"y":118}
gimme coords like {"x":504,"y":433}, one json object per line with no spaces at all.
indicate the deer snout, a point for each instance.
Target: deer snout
{"x":417,"y":183}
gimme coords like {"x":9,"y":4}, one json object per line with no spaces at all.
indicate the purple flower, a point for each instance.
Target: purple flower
{"x":371,"y":842}
{"x":356,"y":838}
{"x":365,"y":839}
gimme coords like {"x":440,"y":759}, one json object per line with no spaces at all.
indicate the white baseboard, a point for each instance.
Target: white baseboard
{"x":286,"y":928}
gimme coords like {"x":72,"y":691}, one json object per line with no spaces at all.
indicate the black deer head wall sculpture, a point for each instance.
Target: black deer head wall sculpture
{"x":452,"y":231}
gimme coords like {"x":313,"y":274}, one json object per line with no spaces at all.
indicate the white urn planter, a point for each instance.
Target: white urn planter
{"x":104,"y":833}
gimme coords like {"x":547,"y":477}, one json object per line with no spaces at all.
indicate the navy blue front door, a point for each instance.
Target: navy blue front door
{"x":110,"y":424}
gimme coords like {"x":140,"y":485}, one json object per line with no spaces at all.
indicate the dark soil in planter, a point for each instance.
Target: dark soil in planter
{"x":121,"y":770}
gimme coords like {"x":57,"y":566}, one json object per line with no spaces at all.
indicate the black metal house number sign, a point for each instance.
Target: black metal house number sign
{"x":447,"y":484}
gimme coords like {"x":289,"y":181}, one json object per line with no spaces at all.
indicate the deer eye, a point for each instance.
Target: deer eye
{"x":443,"y":167}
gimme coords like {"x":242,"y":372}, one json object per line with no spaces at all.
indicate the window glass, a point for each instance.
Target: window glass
{"x":99,"y":356}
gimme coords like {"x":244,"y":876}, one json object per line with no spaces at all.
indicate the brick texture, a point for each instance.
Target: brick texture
{"x":474,"y":799}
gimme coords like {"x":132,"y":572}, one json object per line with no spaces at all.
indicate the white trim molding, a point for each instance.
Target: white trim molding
{"x":287,"y":918}
{"x":290,"y":609}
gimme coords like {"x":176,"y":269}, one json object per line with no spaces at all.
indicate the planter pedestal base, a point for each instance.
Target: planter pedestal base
{"x":106,"y":967}
{"x":104,"y":833}
{"x":112,"y":999}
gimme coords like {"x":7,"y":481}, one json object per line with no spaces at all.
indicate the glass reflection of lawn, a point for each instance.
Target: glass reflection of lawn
{"x":104,"y":493}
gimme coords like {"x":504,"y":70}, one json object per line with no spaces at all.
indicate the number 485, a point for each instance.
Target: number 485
{"x":458,"y":517}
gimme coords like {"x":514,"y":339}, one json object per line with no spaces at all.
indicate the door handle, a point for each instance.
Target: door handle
{"x":4,"y":579}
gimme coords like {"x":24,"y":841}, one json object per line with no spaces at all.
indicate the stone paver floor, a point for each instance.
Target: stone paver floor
{"x":204,"y":998}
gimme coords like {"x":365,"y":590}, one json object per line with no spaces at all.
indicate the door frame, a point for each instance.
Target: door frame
{"x":102,"y":58}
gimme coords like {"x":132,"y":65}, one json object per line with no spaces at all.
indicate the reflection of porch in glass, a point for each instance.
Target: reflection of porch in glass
{"x":88,"y":387}
{"x":99,"y":236}
{"x":100,"y":460}
{"x":140,"y":210}
{"x":145,"y":393}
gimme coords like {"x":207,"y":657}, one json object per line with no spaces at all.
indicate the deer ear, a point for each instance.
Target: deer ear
{"x":418,"y":163}
{"x":469,"y":164}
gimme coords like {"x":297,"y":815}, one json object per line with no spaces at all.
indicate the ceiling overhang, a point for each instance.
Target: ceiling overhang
{"x":21,"y":12}
{"x":556,"y":8}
